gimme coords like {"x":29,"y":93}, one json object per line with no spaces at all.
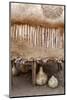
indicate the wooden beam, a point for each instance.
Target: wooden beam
{"x":34,"y":72}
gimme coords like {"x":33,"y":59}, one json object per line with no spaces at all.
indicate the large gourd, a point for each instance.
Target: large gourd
{"x":53,"y":82}
{"x":41,"y":77}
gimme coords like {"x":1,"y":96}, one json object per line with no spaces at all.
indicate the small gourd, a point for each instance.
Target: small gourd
{"x":53,"y":82}
{"x":41,"y":77}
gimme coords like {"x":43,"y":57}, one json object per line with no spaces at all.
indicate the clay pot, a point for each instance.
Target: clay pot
{"x":53,"y":82}
{"x":41,"y":77}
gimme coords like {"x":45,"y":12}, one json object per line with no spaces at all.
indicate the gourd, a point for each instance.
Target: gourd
{"x":14,"y":71}
{"x":41,"y":77}
{"x":53,"y":82}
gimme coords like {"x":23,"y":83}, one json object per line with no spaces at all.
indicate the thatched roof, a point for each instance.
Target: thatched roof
{"x":37,"y":14}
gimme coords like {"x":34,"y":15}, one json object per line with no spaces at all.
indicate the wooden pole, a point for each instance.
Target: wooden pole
{"x":37,"y":35}
{"x":22,"y":32}
{"x":41,"y":35}
{"x":11,"y":31}
{"x":16,"y":32}
{"x":45,"y":38}
{"x":32,"y":36}
{"x":56,"y":37}
{"x":34,"y":72}
{"x":25,"y":31}
{"x":28,"y":34}
{"x":62,"y":39}
{"x":48,"y":38}
{"x":51,"y":37}
{"x":58,"y":41}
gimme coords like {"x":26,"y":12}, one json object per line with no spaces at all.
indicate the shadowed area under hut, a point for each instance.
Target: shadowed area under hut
{"x":22,"y":86}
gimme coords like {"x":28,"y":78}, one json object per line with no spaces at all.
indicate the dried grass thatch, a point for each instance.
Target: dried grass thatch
{"x":49,"y":15}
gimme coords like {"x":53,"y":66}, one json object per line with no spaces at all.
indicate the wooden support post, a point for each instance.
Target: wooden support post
{"x":58,"y":38}
{"x":11,"y":32}
{"x":11,"y":78}
{"x":52,"y":38}
{"x":14,"y":32}
{"x":17,"y":29}
{"x":34,"y":72}
{"x":31,"y":43}
{"x":30,"y":35}
{"x":37,"y":36}
{"x":21,"y":31}
{"x":27,"y":32}
{"x":18,"y":32}
{"x":63,"y":40}
{"x":41,"y":35}
{"x":45,"y":38}
{"x":34,"y":34}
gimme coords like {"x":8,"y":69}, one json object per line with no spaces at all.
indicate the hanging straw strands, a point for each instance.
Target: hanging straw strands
{"x":38,"y":36}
